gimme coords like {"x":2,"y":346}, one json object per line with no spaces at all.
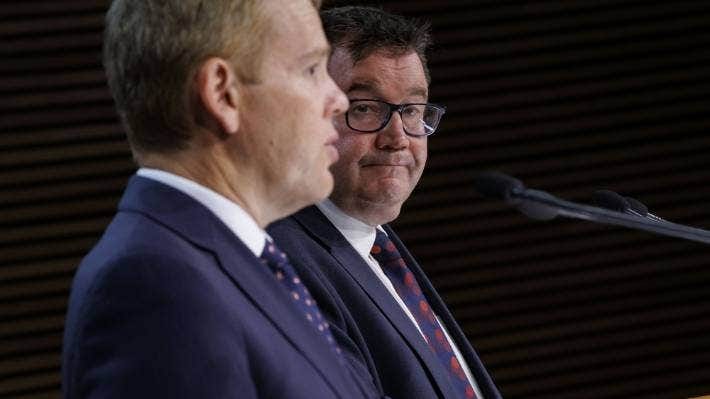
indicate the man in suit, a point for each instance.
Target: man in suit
{"x":380,"y":303}
{"x":229,"y":111}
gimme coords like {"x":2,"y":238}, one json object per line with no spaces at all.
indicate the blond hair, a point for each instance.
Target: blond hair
{"x":152,"y":51}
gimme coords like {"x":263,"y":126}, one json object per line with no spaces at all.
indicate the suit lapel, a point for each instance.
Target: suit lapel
{"x":197,"y":224}
{"x":328,"y":235}
{"x":483,"y":379}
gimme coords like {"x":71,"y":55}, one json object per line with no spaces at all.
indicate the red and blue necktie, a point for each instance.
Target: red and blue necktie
{"x":411,"y":294}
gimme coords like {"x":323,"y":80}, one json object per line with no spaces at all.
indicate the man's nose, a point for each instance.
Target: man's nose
{"x":339,"y":101}
{"x":393,"y":136}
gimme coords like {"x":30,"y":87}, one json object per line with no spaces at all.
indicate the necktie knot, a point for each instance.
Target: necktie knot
{"x":273,"y":255}
{"x":384,"y":250}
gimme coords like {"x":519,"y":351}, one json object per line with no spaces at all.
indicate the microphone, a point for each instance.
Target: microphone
{"x":616,"y":202}
{"x":541,"y":205}
{"x":513,"y":192}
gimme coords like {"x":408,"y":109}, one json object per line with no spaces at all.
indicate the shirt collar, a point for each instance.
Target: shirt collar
{"x":358,"y":233}
{"x":235,"y":217}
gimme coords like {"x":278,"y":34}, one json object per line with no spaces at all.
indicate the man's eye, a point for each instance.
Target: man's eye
{"x":361,"y":109}
{"x":413,"y":111}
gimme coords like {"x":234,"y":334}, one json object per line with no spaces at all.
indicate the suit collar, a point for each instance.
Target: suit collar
{"x":320,"y":227}
{"x":241,"y":223}
{"x":195,"y":223}
{"x":360,"y":235}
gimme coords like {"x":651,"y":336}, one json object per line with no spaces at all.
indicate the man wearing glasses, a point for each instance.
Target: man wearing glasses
{"x":381,"y":306}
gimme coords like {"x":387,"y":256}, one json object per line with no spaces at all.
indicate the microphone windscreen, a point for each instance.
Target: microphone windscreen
{"x":610,"y":200}
{"x":541,"y":208}
{"x":497,"y":185}
{"x":637,"y":206}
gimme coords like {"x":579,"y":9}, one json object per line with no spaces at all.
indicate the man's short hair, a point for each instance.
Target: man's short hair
{"x":364,"y":30}
{"x":152,"y":51}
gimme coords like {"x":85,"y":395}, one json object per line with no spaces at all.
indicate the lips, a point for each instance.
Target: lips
{"x":385,"y":165}
{"x":387,"y":161}
{"x":330,"y":147}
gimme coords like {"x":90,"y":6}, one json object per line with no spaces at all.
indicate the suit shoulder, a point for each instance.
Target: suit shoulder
{"x":133,"y":303}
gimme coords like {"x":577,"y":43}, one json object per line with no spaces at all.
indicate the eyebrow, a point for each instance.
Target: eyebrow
{"x":372,"y":87}
{"x":320,"y":52}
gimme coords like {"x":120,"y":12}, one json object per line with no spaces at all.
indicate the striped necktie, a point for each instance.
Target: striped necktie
{"x":411,"y":294}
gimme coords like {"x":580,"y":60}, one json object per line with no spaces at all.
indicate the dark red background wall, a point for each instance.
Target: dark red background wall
{"x":570,"y":96}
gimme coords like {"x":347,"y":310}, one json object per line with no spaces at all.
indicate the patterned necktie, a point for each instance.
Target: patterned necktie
{"x":286,"y":275}
{"x":408,"y":289}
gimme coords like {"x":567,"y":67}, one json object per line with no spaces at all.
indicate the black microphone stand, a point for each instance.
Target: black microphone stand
{"x":544,"y":206}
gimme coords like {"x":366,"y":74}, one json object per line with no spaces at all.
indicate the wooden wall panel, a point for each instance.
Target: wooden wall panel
{"x":570,"y":96}
{"x":63,"y":163}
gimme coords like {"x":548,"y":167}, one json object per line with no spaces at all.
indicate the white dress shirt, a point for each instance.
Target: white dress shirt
{"x":234,"y":216}
{"x":362,"y":237}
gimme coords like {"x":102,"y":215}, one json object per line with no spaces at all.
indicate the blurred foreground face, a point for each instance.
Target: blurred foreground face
{"x":288,"y":113}
{"x":376,"y":172}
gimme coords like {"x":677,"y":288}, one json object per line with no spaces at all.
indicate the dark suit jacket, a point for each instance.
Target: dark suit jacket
{"x":363,"y":311}
{"x":170,"y":304}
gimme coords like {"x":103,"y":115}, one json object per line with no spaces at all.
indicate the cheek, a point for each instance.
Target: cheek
{"x":351,"y":148}
{"x":346,"y":169}
{"x":419,"y":151}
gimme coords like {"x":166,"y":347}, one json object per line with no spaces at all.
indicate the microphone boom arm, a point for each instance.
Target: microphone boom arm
{"x":585,"y":212}
{"x":544,"y":206}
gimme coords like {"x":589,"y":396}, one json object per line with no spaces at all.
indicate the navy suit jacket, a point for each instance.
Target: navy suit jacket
{"x":171,"y":304}
{"x":365,"y":313}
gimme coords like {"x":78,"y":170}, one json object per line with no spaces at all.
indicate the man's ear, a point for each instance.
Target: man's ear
{"x":216,"y":85}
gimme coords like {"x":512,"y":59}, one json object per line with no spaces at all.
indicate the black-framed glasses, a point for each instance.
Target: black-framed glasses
{"x":369,"y":116}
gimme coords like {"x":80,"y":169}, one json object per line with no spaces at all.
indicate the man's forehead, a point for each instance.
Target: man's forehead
{"x":317,"y":52}
{"x":382,"y":72}
{"x":295,"y":35}
{"x":292,"y":18}
{"x":378,"y":88}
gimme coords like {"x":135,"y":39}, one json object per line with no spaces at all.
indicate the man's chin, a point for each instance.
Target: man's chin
{"x":387,"y":198}
{"x":382,"y":212}
{"x":323,"y":190}
{"x":309,"y":192}
{"x":389,"y":192}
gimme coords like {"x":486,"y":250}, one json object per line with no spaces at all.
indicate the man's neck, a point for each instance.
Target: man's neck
{"x":219,"y":176}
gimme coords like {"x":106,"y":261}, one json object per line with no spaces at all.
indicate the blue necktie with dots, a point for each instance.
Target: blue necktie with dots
{"x":283,"y":270}
{"x":408,"y":289}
